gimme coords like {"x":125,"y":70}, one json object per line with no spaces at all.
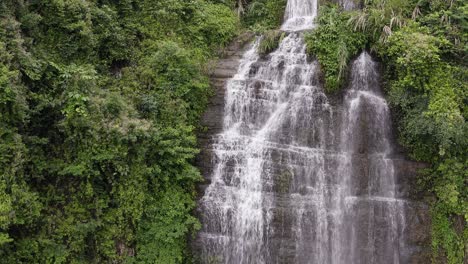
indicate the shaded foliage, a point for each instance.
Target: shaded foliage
{"x":261,"y":15}
{"x":99,"y":101}
{"x":270,"y":41}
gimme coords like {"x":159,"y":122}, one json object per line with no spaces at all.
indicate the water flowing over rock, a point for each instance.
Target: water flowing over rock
{"x":299,"y":15}
{"x":296,"y":178}
{"x":371,"y":222}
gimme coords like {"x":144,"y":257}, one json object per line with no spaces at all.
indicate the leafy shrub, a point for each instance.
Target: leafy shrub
{"x":423,"y":83}
{"x":264,"y":14}
{"x":270,"y":41}
{"x":334,"y":43}
{"x":217,"y":23}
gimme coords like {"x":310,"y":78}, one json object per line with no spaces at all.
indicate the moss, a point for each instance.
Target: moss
{"x":283,"y":182}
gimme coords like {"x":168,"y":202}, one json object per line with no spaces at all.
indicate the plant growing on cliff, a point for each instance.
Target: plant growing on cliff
{"x":270,"y":41}
{"x":264,"y":14}
{"x":334,"y":43}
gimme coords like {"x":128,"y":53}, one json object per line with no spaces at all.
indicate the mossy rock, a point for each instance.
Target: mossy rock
{"x":282,"y":183}
{"x":270,"y":41}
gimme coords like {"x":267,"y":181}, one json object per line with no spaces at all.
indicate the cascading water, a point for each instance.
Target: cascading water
{"x":295,"y":179}
{"x":299,"y":15}
{"x":373,"y":219}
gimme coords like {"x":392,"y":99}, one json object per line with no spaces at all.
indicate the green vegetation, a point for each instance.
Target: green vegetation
{"x":334,"y":43}
{"x":430,"y":94}
{"x":99,"y":101}
{"x":258,"y":15}
{"x":270,"y":41}
{"x":422,"y":46}
{"x":261,"y":15}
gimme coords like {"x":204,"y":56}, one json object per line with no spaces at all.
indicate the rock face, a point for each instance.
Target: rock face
{"x":212,"y":120}
{"x":293,"y":176}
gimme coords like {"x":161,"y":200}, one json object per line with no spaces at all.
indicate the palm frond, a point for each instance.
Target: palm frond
{"x":416,"y":13}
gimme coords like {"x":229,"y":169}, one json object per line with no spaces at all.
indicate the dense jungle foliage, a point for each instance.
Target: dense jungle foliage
{"x":422,"y":45}
{"x":99,"y":101}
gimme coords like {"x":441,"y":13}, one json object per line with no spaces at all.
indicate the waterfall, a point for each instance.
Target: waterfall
{"x":297,"y":179}
{"x":373,"y":218}
{"x":299,"y":15}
